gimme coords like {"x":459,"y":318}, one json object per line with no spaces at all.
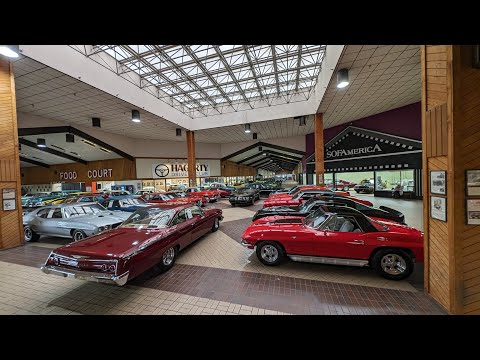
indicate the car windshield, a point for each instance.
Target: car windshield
{"x":79,"y":210}
{"x":131,"y":201}
{"x":316,"y":219}
{"x":292,"y":190}
{"x":149,"y":218}
{"x":243,"y":191}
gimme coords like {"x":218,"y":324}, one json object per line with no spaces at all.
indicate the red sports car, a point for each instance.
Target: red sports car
{"x":150,"y":237}
{"x":346,"y":237}
{"x":182,"y":195}
{"x":305,"y":194}
{"x":164,"y":198}
{"x":342,"y":185}
{"x":210,"y":195}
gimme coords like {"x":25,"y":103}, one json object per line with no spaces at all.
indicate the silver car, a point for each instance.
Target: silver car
{"x":76,"y":221}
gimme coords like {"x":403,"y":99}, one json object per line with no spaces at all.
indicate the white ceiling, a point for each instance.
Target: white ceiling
{"x":25,"y":164}
{"x":42,"y":156}
{"x":46,"y":92}
{"x":382,"y":78}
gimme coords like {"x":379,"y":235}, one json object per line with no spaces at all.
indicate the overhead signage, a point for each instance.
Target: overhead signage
{"x":357,"y":151}
{"x":178,"y":170}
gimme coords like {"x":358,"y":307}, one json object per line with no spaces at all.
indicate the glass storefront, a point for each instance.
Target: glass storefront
{"x":388,"y":180}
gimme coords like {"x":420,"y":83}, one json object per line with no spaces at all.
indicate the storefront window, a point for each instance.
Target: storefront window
{"x":347,"y":181}
{"x":388,"y":180}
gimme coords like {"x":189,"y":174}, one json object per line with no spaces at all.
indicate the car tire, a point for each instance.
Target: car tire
{"x":168,"y":260}
{"x":78,"y":235}
{"x":216,"y":225}
{"x":30,"y":235}
{"x":393,"y":264}
{"x":253,"y":201}
{"x":346,"y":188}
{"x":270,"y":253}
{"x":358,"y":192}
{"x":207,"y":198}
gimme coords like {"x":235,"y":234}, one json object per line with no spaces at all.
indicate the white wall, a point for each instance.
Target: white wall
{"x":294,"y":142}
{"x":132,"y":146}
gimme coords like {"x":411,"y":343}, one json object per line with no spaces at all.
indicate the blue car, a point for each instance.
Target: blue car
{"x":124,"y":203}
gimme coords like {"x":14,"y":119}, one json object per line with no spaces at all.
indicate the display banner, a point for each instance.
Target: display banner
{"x":177,"y":170}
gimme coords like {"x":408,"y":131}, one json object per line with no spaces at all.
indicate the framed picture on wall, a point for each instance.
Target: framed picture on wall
{"x":438,"y":208}
{"x":8,"y":193}
{"x":473,"y":211}
{"x":438,"y":182}
{"x":9,"y":204}
{"x":473,"y":182}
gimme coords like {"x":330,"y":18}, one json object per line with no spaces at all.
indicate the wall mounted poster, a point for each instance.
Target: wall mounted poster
{"x":473,"y":182}
{"x":8,"y":204}
{"x":473,"y":211}
{"x":8,"y":193}
{"x":438,"y":208}
{"x":438,"y":182}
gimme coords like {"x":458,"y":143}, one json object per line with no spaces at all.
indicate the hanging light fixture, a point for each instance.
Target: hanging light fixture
{"x":10,"y":51}
{"x":69,"y":138}
{"x":178,"y":132}
{"x":342,"y":78}
{"x":136,"y":116}
{"x":260,"y":148}
{"x":247,"y":128}
{"x":41,"y":143}
{"x":254,"y":136}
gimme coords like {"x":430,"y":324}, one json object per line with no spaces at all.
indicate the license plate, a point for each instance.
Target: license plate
{"x":69,"y":262}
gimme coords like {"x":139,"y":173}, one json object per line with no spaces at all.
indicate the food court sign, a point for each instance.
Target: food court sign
{"x":177,"y":170}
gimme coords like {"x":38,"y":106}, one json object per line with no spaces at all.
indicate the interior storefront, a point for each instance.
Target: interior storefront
{"x":386,"y":161}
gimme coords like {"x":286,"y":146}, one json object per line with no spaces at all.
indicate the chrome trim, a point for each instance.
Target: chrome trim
{"x":244,"y":243}
{"x":86,"y":275}
{"x":356,"y":242}
{"x":328,"y":260}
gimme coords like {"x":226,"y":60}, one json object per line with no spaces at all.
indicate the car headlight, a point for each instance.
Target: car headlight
{"x":101,"y":228}
{"x":40,"y":203}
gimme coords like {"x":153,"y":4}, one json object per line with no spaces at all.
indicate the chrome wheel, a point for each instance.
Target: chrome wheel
{"x":78,"y":235}
{"x":207,"y":198}
{"x":168,"y":256}
{"x":269,"y":253}
{"x":216,"y":224}
{"x":393,"y":264}
{"x":28,"y":233}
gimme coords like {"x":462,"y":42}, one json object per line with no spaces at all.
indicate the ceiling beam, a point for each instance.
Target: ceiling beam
{"x":250,"y":157}
{"x":34,"y":162}
{"x":51,"y":151}
{"x":293,"y":157}
{"x":260,"y":162}
{"x":265,"y":145}
{"x":74,"y":131}
{"x":284,"y":160}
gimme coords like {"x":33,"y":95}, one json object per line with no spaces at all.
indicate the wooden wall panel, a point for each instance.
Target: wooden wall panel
{"x":122,"y":169}
{"x":451,"y":136}
{"x":231,"y":168}
{"x":11,"y":229}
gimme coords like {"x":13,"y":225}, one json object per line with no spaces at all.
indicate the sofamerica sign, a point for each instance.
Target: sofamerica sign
{"x":350,"y":152}
{"x":178,"y":170}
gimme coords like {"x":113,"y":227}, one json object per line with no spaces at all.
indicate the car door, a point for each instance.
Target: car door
{"x":336,"y":239}
{"x":52,"y":223}
{"x":203,"y":223}
{"x":37,"y":223}
{"x":183,"y":228}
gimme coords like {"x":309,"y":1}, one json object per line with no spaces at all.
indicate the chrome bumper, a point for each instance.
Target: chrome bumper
{"x":86,"y":275}
{"x":244,"y":243}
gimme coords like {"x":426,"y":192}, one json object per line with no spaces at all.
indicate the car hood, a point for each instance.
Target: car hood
{"x":279,"y":220}
{"x":100,"y":219}
{"x":116,"y":243}
{"x":395,"y":227}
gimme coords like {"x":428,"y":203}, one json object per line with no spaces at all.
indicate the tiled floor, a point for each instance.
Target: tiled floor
{"x":216,"y":275}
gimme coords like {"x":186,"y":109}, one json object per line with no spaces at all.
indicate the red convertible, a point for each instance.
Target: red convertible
{"x":210,"y":195}
{"x":304,"y":194}
{"x":343,"y":237}
{"x":165,"y":198}
{"x":150,"y":238}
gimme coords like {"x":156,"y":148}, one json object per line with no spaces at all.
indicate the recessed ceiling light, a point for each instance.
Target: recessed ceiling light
{"x":342,"y":78}
{"x":10,"y":51}
{"x":41,"y":143}
{"x":136,"y":116}
{"x":247,"y":128}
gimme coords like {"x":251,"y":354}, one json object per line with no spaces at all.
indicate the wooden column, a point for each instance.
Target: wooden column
{"x":11,"y":229}
{"x":319,"y":156}
{"x":451,"y":142}
{"x":192,"y":172}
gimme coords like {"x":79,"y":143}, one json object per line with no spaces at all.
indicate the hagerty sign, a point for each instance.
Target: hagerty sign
{"x":177,"y":170}
{"x":342,"y":152}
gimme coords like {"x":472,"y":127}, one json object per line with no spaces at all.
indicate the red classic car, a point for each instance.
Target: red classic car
{"x":297,"y":189}
{"x":344,"y":237}
{"x":341,"y":185}
{"x":182,"y":195}
{"x":210,"y":195}
{"x":165,"y":198}
{"x":305,"y":194}
{"x":150,"y":238}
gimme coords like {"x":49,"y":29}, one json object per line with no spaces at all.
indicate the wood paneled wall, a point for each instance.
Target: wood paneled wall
{"x":231,"y":168}
{"x":11,"y":230}
{"x":122,"y":169}
{"x":451,"y":101}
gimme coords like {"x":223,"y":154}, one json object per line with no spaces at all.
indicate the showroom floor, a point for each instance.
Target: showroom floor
{"x":216,"y":275}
